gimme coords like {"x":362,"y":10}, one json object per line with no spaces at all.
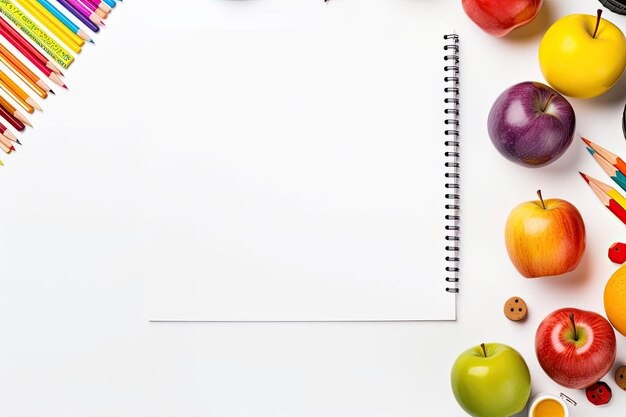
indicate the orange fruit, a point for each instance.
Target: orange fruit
{"x":615,"y":300}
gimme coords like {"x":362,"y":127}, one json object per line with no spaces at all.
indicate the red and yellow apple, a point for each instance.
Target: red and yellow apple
{"x":498,"y":17}
{"x":545,"y":238}
{"x":575,"y":347}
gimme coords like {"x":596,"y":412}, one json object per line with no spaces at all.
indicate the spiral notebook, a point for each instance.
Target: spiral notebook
{"x":313,"y":173}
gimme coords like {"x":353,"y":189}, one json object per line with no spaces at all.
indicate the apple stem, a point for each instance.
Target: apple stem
{"x":595,"y":32}
{"x":482,"y":345}
{"x":541,"y":199}
{"x":571,"y":317}
{"x":545,"y":106}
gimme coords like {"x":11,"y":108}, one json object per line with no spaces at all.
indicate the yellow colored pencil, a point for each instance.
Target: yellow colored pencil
{"x":17,"y":94}
{"x":607,"y":189}
{"x":73,"y":41}
{"x":35,"y":33}
{"x":13,"y":112}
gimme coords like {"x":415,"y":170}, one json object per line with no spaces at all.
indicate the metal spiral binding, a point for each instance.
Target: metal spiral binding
{"x":451,"y":58}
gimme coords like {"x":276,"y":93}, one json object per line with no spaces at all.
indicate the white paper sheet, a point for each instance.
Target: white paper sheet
{"x":292,"y":165}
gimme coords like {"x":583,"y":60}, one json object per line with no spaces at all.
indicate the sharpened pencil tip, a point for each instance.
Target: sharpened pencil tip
{"x":584,"y":176}
{"x":591,"y":151}
{"x":91,"y":41}
{"x":588,"y":142}
{"x":52,"y":91}
{"x":64,"y":86}
{"x":18,"y":142}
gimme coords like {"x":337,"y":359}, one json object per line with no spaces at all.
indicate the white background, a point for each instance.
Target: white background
{"x":75,"y":341}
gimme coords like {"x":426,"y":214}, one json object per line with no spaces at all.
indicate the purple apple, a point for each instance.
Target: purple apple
{"x":531,"y":124}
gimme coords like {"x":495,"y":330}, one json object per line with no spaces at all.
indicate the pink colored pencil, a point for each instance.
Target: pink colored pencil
{"x":97,"y":4}
{"x":85,"y":12}
{"x":93,"y":6}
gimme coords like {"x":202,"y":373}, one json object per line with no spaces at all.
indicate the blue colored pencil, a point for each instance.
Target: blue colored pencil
{"x":79,"y":16}
{"x":63,"y":19}
{"x":612,"y":172}
{"x":110,"y":3}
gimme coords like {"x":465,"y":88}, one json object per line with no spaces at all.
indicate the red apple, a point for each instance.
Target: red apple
{"x":575,"y":347}
{"x":499,"y":17}
{"x":545,"y":238}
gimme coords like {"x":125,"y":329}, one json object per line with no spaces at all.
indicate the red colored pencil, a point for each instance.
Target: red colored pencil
{"x":11,"y":119}
{"x":6,"y":132}
{"x":15,"y":38}
{"x":609,"y":203}
{"x":30,"y":56}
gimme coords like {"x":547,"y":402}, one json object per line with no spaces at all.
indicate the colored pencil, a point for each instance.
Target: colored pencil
{"x":24,"y":73}
{"x":110,"y":3}
{"x":606,"y":189}
{"x":13,"y":121}
{"x":29,"y":51}
{"x":5,"y":144}
{"x":611,"y":171}
{"x":57,"y":28}
{"x":70,"y":8}
{"x":5,"y":141}
{"x":63,"y":19}
{"x":17,"y":94}
{"x":93,"y":7}
{"x":104,"y":7}
{"x":35,"y":33}
{"x":6,"y":132}
{"x":13,"y":111}
{"x":609,"y":203}
{"x":610,"y":157}
{"x":94,"y":18}
{"x":91,"y":4}
{"x":11,"y":140}
{"x":99,"y":5}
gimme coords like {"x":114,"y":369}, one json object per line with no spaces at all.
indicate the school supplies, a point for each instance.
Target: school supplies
{"x":24,"y":73}
{"x":36,"y":34}
{"x":39,"y":21}
{"x":609,"y":197}
{"x":65,"y":20}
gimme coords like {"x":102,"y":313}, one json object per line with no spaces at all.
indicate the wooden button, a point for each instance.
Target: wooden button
{"x":620,"y":377}
{"x":515,"y":309}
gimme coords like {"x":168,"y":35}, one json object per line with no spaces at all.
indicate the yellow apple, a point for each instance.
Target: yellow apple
{"x":583,"y":56}
{"x":545,"y":238}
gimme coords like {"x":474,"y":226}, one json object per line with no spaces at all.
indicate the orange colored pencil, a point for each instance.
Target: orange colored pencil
{"x":17,"y":94}
{"x":13,"y":111}
{"x":24,"y":73}
{"x":611,"y":158}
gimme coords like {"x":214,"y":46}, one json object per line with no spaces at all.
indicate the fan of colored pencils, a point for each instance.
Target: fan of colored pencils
{"x":44,"y":38}
{"x":615,"y":167}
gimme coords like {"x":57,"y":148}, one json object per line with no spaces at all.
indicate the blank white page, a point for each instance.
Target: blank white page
{"x":292,"y":165}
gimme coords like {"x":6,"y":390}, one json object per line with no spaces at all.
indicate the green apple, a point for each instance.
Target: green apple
{"x":491,"y":380}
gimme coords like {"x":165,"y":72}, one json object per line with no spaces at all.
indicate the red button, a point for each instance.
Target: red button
{"x":617,"y":253}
